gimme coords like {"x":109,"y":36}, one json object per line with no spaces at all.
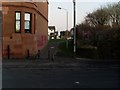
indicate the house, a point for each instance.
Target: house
{"x":65,"y":34}
{"x":24,"y":28}
{"x":52,"y":33}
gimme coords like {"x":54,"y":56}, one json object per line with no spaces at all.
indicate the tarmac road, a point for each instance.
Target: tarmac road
{"x":62,"y":73}
{"x":52,"y":77}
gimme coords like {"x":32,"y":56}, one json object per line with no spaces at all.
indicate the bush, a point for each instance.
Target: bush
{"x":87,"y":53}
{"x":67,"y":52}
{"x":109,"y":46}
{"x":106,"y":40}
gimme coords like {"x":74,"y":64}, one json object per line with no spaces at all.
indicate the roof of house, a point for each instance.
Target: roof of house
{"x":51,"y":27}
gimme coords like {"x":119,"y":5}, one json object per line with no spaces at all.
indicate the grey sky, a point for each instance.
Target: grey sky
{"x":58,"y":17}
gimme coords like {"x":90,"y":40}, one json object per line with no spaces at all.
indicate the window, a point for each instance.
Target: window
{"x":17,"y":22}
{"x":27,"y":23}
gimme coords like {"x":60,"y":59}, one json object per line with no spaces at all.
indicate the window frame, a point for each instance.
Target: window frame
{"x":30,"y":22}
{"x":18,"y":20}
{"x":34,"y":23}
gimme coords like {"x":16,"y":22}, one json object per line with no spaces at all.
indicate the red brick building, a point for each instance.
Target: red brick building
{"x":24,"y":28}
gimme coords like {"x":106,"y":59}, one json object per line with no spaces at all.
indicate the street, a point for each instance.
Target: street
{"x":86,"y":75}
{"x":63,"y":72}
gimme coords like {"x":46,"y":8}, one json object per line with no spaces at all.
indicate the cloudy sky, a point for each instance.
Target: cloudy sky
{"x":57,"y":17}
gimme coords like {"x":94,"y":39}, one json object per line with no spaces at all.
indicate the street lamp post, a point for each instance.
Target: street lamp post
{"x":74,"y":3}
{"x":66,"y":25}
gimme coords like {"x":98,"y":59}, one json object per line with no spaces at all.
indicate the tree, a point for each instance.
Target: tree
{"x":113,"y":11}
{"x":98,"y":17}
{"x":109,"y":15}
{"x":103,"y":26}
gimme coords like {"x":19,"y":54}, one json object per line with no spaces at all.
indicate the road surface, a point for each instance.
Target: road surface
{"x":62,"y":73}
{"x":89,"y":76}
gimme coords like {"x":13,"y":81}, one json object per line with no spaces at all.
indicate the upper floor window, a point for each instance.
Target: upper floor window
{"x":27,"y":22}
{"x":18,"y":22}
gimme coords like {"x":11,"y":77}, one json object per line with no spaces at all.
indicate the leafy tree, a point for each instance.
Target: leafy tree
{"x":103,"y":29}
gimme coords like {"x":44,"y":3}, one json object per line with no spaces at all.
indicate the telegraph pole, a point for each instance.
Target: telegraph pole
{"x":74,"y":3}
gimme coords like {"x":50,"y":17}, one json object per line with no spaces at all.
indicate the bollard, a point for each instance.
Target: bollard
{"x":49,"y":54}
{"x":39,"y":53}
{"x":8,"y":52}
{"x":52,"y":58}
{"x":28,"y":54}
{"x":52,"y":54}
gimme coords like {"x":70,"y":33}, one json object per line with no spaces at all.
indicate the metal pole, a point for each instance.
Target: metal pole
{"x":74,"y":3}
{"x":67,"y":20}
{"x":67,"y":31}
{"x":66,"y":25}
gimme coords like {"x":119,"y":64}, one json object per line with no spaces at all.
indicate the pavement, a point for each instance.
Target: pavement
{"x":50,"y":59}
{"x":60,"y":63}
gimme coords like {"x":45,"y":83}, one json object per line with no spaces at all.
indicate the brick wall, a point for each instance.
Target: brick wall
{"x":20,"y":43}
